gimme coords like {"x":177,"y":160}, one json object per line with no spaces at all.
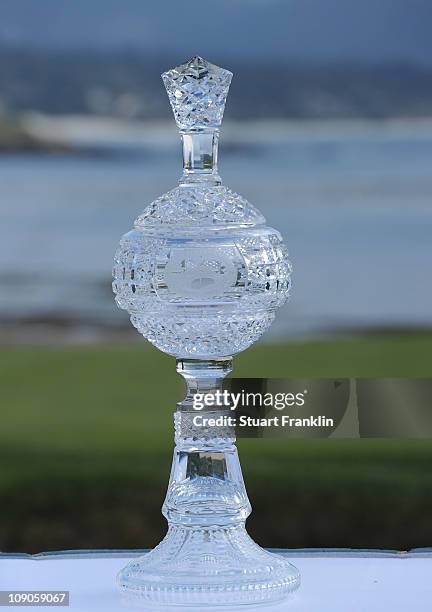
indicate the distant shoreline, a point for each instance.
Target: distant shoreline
{"x":16,"y":137}
{"x":77,"y":134}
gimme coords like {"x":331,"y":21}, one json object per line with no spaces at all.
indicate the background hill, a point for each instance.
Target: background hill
{"x":127,"y":84}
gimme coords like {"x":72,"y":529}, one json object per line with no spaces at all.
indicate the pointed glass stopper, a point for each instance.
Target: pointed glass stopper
{"x":197,"y":91}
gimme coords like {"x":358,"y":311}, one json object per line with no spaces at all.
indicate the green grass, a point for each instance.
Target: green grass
{"x":86,"y":441}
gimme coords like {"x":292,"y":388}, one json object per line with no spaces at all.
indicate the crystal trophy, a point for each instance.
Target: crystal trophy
{"x":201,"y":277}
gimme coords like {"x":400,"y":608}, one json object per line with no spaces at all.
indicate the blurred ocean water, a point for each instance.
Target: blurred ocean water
{"x":352,"y":199}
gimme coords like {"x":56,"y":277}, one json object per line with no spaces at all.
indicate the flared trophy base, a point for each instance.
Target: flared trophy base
{"x":207,"y":557}
{"x":209,"y":566}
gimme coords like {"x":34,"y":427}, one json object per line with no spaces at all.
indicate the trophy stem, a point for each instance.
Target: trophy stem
{"x":206,"y":485}
{"x":207,"y":556}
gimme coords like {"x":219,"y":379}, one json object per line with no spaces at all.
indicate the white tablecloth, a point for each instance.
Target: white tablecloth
{"x":337,"y":581}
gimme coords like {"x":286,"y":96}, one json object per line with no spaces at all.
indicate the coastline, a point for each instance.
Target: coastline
{"x":36,"y":132}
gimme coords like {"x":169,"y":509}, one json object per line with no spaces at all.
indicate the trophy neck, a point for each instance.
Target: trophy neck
{"x":200,"y":153}
{"x":202,"y":376}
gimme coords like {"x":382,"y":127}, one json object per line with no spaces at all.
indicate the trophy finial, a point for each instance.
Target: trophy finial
{"x":197,"y":91}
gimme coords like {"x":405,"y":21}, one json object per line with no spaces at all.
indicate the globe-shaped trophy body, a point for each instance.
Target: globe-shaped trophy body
{"x":200,"y":274}
{"x":201,"y":277}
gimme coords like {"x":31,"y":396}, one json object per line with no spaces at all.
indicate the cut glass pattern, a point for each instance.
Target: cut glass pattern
{"x":213,"y":205}
{"x":197,"y":91}
{"x":202,"y":297}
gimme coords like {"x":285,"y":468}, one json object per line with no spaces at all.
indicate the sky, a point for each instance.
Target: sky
{"x":370,"y":31}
